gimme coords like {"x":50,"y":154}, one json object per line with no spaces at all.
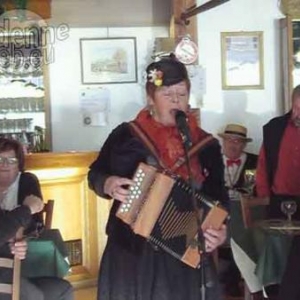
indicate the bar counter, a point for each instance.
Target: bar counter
{"x":79,"y":214}
{"x":50,"y":160}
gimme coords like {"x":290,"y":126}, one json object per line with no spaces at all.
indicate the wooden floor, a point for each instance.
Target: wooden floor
{"x":86,"y":294}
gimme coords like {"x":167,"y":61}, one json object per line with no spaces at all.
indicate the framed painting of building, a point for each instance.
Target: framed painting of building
{"x":108,"y":60}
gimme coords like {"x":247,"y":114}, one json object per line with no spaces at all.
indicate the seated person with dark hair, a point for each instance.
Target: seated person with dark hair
{"x":17,"y":187}
{"x":10,"y":223}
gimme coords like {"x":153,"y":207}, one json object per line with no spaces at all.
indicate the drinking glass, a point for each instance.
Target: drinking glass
{"x":289,"y":208}
{"x":249,"y":180}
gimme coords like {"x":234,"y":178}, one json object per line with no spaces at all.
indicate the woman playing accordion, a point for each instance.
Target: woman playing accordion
{"x":133,"y":267}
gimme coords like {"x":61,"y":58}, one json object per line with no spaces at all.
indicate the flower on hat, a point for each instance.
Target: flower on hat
{"x":155,"y":76}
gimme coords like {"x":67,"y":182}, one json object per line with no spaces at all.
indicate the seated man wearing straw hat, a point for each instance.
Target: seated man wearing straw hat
{"x":236,"y":162}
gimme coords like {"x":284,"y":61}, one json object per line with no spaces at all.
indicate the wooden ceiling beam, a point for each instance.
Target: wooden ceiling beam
{"x":178,"y":28}
{"x":202,"y":8}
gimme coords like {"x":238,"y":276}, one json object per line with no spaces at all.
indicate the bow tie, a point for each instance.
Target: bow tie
{"x":232,"y":162}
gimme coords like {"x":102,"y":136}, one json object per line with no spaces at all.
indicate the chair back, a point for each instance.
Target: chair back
{"x":247,"y":205}
{"x":48,"y":213}
{"x":12,"y":288}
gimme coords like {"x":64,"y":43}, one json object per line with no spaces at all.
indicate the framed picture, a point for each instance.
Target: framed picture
{"x":242,"y":60}
{"x":108,"y":60}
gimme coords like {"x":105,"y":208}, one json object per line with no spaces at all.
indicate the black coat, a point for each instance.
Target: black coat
{"x":11,"y":221}
{"x":132,"y":268}
{"x":272,"y":135}
{"x":121,"y":154}
{"x":250,"y":164}
{"x":28,"y":185}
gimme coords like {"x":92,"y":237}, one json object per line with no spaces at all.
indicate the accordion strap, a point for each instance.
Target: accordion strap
{"x":195,"y":149}
{"x":150,"y":145}
{"x":147,"y":141}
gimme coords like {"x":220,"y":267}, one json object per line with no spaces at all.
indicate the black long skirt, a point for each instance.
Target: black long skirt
{"x":152,"y":275}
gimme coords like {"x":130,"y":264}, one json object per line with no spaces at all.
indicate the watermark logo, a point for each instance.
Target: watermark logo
{"x":27,"y":42}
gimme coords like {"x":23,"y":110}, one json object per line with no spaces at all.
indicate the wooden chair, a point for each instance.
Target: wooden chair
{"x":247,"y":205}
{"x":15,"y":264}
{"x":48,"y":213}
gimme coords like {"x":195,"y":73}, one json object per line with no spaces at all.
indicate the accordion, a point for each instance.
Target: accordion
{"x":161,"y":209}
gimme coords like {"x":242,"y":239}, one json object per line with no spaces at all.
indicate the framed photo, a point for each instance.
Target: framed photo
{"x":242,"y":60}
{"x":108,"y":60}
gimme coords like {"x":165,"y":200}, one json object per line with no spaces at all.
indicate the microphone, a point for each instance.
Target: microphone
{"x":183,"y":128}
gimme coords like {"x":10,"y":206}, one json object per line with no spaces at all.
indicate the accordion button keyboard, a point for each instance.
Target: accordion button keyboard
{"x":143,"y":179}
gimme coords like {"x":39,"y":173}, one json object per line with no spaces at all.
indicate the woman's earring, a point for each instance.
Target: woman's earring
{"x":151,"y":111}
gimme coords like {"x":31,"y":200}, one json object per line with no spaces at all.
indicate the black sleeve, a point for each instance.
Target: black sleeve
{"x":11,"y":221}
{"x":213,"y":169}
{"x":251,"y":161}
{"x":29,"y":185}
{"x":119,"y":156}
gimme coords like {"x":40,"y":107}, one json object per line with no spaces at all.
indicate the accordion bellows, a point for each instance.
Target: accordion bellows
{"x":160,"y":208}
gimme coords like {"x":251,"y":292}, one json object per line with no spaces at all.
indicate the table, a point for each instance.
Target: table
{"x":46,"y":256}
{"x":259,"y":254}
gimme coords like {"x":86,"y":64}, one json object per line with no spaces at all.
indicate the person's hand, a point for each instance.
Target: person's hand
{"x":117,"y":187}
{"x":214,"y":238}
{"x":35,"y":203}
{"x":18,"y":248}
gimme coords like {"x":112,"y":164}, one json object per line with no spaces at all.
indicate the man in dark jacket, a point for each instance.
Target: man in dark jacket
{"x":277,"y":177}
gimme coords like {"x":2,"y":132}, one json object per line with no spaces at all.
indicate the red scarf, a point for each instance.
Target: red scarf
{"x":168,"y":143}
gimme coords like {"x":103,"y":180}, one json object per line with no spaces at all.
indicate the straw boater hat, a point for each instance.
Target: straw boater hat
{"x":235,"y":131}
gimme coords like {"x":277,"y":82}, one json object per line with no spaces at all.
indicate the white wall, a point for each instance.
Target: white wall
{"x":99,"y":13}
{"x":68,"y":132}
{"x":253,"y":108}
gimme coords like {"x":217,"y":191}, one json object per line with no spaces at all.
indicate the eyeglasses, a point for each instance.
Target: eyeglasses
{"x":8,"y":160}
{"x":235,"y":140}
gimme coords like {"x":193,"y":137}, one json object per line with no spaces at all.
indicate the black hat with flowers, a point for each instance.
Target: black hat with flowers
{"x":167,"y":71}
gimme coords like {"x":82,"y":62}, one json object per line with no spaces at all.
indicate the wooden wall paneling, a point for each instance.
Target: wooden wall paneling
{"x":69,"y":210}
{"x":177,"y":27}
{"x":289,"y":45}
{"x":76,"y":218}
{"x":63,"y":177}
{"x":103,"y":208}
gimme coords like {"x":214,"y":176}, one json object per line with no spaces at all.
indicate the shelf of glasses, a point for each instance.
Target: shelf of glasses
{"x":21,"y":105}
{"x":33,"y":140}
{"x":15,"y":125}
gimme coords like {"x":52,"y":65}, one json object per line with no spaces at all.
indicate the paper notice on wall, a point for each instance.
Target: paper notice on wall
{"x":94,"y":105}
{"x":197,"y":76}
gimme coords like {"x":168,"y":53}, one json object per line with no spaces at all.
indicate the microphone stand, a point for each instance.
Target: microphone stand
{"x":200,"y":236}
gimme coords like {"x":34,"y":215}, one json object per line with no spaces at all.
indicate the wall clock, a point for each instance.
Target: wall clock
{"x":186,"y":51}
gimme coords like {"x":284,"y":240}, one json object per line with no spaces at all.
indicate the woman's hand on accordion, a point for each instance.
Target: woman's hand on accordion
{"x":117,"y":187}
{"x":214,"y":238}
